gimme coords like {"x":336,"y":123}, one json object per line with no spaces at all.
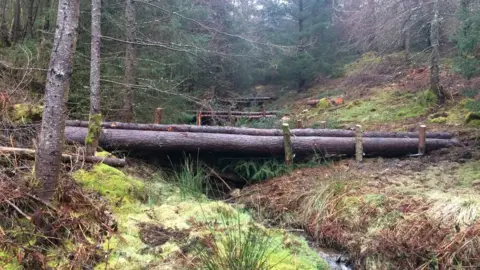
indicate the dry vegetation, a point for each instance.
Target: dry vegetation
{"x":387,"y":214}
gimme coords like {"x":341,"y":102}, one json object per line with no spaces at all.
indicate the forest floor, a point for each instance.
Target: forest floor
{"x":402,"y":213}
{"x":399,"y":213}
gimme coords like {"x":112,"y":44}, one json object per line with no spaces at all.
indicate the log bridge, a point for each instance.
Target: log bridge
{"x":258,"y":142}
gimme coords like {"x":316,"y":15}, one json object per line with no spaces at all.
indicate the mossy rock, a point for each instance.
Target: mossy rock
{"x":25,"y":113}
{"x":110,"y":183}
{"x":323,"y":103}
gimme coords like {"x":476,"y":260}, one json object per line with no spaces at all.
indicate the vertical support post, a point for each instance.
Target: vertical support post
{"x":422,"y":134}
{"x":323,"y":124}
{"x":287,"y":144}
{"x":264,"y":111}
{"x":230,"y":119}
{"x":158,"y":115}
{"x":299,"y":124}
{"x":359,"y":143}
{"x":199,"y":118}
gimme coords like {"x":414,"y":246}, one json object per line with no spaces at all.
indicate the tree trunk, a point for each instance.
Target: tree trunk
{"x":301,"y":19}
{"x":135,"y":140}
{"x":130,"y":61}
{"x":5,"y":39}
{"x":258,"y":132}
{"x":435,"y":57}
{"x":31,"y":19}
{"x":95,"y":118}
{"x":16,"y":32}
{"x":372,"y":38}
{"x":49,"y":151}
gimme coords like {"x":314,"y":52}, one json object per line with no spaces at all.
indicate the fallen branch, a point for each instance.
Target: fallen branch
{"x":30,"y":153}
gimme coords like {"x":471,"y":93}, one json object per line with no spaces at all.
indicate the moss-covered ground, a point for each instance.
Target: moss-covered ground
{"x":160,"y":228}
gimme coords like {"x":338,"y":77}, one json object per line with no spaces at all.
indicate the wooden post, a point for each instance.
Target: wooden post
{"x":287,"y":144}
{"x":230,"y":118}
{"x":199,"y":118}
{"x":422,"y":132}
{"x":264,"y":110}
{"x":158,"y":115}
{"x":359,"y":143}
{"x":323,"y":124}
{"x":299,"y":124}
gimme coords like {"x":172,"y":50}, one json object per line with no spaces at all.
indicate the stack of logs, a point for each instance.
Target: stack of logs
{"x":264,"y":142}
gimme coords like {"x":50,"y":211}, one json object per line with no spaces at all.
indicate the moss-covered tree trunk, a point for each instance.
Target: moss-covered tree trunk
{"x":95,"y":119}
{"x":59,"y":75}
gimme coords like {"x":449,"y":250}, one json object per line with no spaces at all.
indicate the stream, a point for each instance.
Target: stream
{"x":335,"y":259}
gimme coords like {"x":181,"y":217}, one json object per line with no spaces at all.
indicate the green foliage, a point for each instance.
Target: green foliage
{"x":473,"y":105}
{"x":467,"y":40}
{"x":191,"y":178}
{"x":238,"y":248}
{"x":259,"y":170}
{"x":470,"y":92}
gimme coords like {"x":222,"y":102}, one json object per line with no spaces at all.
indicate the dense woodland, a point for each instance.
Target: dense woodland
{"x":156,"y":52}
{"x":119,"y":60}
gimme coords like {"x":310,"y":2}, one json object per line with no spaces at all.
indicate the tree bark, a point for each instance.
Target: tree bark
{"x":16,"y":32}
{"x":130,"y":61}
{"x":135,"y":140}
{"x":47,"y":160}
{"x":95,"y":117}
{"x":69,"y":158}
{"x":258,"y":132}
{"x":3,"y":27}
{"x":30,"y":19}
{"x":435,"y":57}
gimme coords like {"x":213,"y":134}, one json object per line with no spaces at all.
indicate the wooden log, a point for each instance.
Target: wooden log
{"x":299,"y":124}
{"x":260,"y":132}
{"x":222,"y":116}
{"x":237,"y":113}
{"x":158,"y":115}
{"x":312,"y":102}
{"x":30,"y":153}
{"x":161,"y":141}
{"x":287,"y":144}
{"x":199,"y":118}
{"x":323,"y":124}
{"x":359,"y":144}
{"x":422,"y":139}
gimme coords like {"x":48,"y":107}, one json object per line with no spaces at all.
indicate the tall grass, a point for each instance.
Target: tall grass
{"x":191,"y":178}
{"x":238,"y":247}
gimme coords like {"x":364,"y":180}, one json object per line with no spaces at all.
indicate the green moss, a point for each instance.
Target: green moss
{"x":103,"y":154}
{"x":94,"y":128}
{"x":384,"y":105}
{"x":25,"y":113}
{"x":323,"y":103}
{"x":367,"y":60}
{"x":468,"y":173}
{"x":439,"y":120}
{"x":110,"y":182}
{"x":8,"y":261}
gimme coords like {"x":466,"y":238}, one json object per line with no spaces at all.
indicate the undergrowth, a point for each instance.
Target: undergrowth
{"x":258,"y":170}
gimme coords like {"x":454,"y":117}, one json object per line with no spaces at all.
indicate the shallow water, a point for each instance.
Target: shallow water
{"x":335,"y":259}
